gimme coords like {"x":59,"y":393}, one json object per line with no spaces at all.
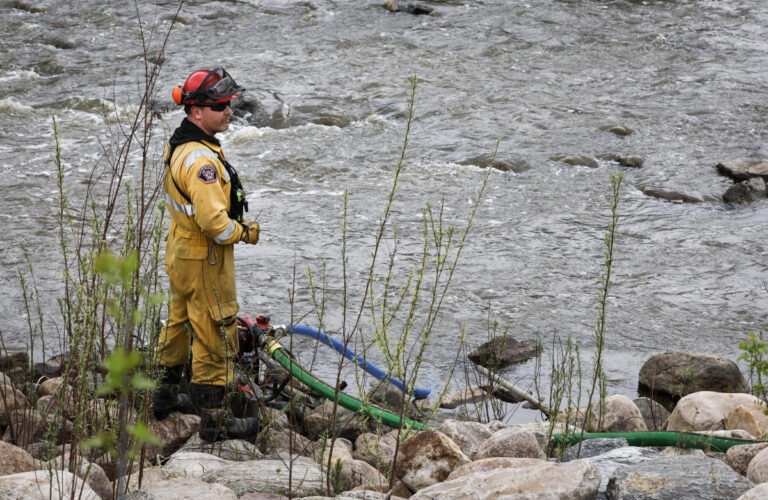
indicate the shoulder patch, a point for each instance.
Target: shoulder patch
{"x":207,"y":174}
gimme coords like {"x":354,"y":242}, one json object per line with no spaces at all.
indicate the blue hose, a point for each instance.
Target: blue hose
{"x":348,"y":353}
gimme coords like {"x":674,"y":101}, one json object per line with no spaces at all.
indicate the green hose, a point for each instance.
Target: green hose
{"x":678,"y":439}
{"x":274,"y":349}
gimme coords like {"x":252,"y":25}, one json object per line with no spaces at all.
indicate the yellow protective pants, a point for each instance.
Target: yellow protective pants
{"x":203,"y":310}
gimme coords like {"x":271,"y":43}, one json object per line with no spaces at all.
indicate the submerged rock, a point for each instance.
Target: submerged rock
{"x":619,"y":130}
{"x":746,"y":191}
{"x":415,"y":9}
{"x":579,"y":160}
{"x":677,"y":477}
{"x":670,"y":194}
{"x":500,"y":352}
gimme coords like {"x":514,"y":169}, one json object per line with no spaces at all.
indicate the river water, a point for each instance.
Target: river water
{"x":544,"y":78}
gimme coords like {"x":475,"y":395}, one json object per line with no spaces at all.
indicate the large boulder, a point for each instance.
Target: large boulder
{"x":14,"y":459}
{"x":356,"y":473}
{"x":677,"y":477}
{"x":237,"y":450}
{"x":28,"y":426}
{"x":758,"y":467}
{"x":620,"y":414}
{"x":611,"y":460}
{"x":511,"y":442}
{"x":491,"y":464}
{"x":427,"y":458}
{"x":13,"y":358}
{"x":92,"y":473}
{"x":751,"y":418}
{"x":575,"y":480}
{"x":759,"y":492}
{"x":270,"y":476}
{"x":670,"y":376}
{"x":44,"y":485}
{"x":592,"y":448}
{"x":500,"y":352}
{"x":746,"y":191}
{"x":187,"y":488}
{"x":740,"y":456}
{"x":740,"y":169}
{"x":193,"y":464}
{"x":468,"y":435}
{"x":705,"y":410}
{"x":342,"y":450}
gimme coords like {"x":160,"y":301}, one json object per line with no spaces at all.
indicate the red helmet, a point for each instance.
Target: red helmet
{"x":204,"y":88}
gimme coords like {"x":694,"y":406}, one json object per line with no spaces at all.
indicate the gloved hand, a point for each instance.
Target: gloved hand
{"x":250,"y":232}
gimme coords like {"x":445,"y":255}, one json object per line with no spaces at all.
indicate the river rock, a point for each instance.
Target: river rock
{"x":14,"y":459}
{"x":619,"y":130}
{"x":654,"y":414}
{"x":673,"y":375}
{"x":44,"y":485}
{"x":705,"y":410}
{"x":427,"y":458}
{"x":579,"y":161}
{"x":670,"y":194}
{"x":741,"y":169}
{"x":516,"y":165}
{"x":376,"y":450}
{"x":739,"y":457}
{"x":10,"y":400}
{"x":288,"y":441}
{"x":592,"y":448}
{"x":575,"y":480}
{"x":415,"y":9}
{"x":750,"y":418}
{"x":347,"y":424}
{"x":677,"y":477}
{"x":491,"y":464}
{"x":759,"y":492}
{"x":619,"y":415}
{"x":757,"y":470}
{"x":746,"y":191}
{"x":92,"y":473}
{"x":12,"y":358}
{"x":611,"y":460}
{"x":470,"y":395}
{"x":236,"y":450}
{"x":270,"y":476}
{"x":149,"y":476}
{"x":356,"y":473}
{"x":511,"y":442}
{"x":468,"y":435}
{"x":389,"y":397}
{"x":187,"y":488}
{"x":342,"y":450}
{"x":500,"y":352}
{"x":173,"y":432}
{"x":193,"y":463}
{"x":629,"y":161}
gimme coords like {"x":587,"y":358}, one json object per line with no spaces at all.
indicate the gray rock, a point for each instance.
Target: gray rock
{"x":619,"y":414}
{"x":468,"y":435}
{"x":677,"y":477}
{"x":593,"y":448}
{"x":92,"y":473}
{"x":44,"y":485}
{"x":500,"y":352}
{"x":577,"y":480}
{"x":189,"y":489}
{"x":654,"y":414}
{"x":270,"y":476}
{"x":619,"y":130}
{"x":579,"y":160}
{"x":237,"y":450}
{"x":672,"y":375}
{"x":512,"y":442}
{"x":741,"y":169}
{"x":609,"y":461}
{"x":670,"y":194}
{"x":759,"y":492}
{"x":739,"y":457}
{"x":193,"y":464}
{"x":746,"y":191}
{"x":628,"y":161}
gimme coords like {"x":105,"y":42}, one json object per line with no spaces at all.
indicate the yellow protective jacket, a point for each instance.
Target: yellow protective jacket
{"x":196,"y":171}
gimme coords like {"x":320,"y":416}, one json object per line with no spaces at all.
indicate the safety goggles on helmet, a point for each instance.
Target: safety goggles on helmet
{"x":216,"y":86}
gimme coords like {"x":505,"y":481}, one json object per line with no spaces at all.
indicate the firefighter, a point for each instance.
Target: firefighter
{"x":206,"y":203}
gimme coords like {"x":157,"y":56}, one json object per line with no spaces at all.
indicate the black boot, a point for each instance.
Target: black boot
{"x":216,"y":419}
{"x":167,"y":397}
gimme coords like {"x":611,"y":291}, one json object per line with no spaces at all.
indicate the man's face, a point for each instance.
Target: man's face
{"x":211,"y":121}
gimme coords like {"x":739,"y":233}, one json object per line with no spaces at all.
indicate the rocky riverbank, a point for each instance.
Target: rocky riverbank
{"x":453,"y":459}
